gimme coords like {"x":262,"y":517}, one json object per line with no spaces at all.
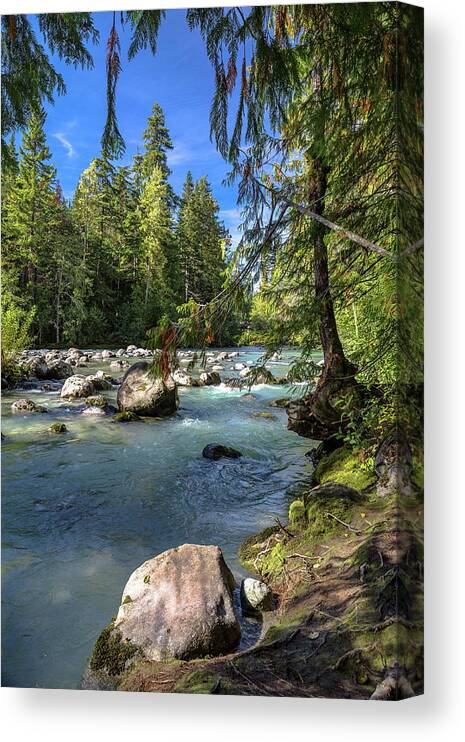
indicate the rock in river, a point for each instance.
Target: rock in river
{"x":216,"y":451}
{"x":58,"y":369}
{"x":255,"y":596}
{"x":184,"y":379}
{"x":77,"y":386}
{"x":27,"y":405}
{"x":210,"y":378}
{"x":180,"y":605}
{"x":145,"y":394}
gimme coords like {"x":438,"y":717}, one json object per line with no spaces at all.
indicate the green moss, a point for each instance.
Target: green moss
{"x":127,"y":599}
{"x":126,"y":417}
{"x":249,"y":548}
{"x":58,"y":428}
{"x":111,"y":654}
{"x":297,"y":514}
{"x":147,"y":579}
{"x":266,"y":415}
{"x":322,"y":526}
{"x":96,"y":401}
{"x":200,"y":681}
{"x":345,"y":466}
{"x":284,"y":627}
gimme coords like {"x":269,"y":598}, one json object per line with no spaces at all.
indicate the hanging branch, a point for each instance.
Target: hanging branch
{"x":112,"y":140}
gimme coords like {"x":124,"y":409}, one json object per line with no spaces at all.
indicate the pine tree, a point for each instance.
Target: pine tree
{"x":156,"y":227}
{"x":30,"y":215}
{"x":185,"y":237}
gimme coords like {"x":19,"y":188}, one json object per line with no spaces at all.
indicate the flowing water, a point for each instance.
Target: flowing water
{"x":82,"y":510}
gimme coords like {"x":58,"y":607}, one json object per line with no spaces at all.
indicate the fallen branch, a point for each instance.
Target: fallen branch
{"x":355,"y":530}
{"x":283,"y":528}
{"x":349,"y":655}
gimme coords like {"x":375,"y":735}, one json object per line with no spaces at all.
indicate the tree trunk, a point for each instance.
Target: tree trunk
{"x":316,"y":416}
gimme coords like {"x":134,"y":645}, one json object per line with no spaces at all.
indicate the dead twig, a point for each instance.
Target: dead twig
{"x":355,"y":530}
{"x":283,"y":528}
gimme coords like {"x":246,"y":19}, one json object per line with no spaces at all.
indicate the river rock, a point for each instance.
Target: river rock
{"x":27,"y":405}
{"x":255,"y":596}
{"x":184,"y":379}
{"x":52,"y":355}
{"x":179,"y":605}
{"x":77,"y":386}
{"x":107,"y":354}
{"x":101,"y":381}
{"x":282,"y":403}
{"x":143,"y":393}
{"x":217,"y":451}
{"x":210,"y":378}
{"x":58,"y":369}
{"x":131,"y":348}
{"x":36,"y":367}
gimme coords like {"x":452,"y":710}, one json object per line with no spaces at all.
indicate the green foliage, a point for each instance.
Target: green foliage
{"x":108,"y":266}
{"x":15,"y":335}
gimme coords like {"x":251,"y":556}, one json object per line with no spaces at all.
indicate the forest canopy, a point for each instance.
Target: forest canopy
{"x":318,"y":111}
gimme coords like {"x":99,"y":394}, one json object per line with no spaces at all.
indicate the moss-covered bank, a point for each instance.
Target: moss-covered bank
{"x":347,"y":574}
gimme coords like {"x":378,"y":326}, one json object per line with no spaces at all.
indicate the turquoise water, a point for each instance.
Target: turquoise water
{"x":82,"y":510}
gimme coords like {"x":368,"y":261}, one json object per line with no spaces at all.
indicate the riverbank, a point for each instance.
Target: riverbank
{"x":346,"y":571}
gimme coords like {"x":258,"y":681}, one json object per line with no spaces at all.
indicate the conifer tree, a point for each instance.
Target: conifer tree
{"x":30,"y":212}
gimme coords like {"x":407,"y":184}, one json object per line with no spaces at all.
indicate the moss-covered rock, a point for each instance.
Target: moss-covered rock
{"x":111,"y":654}
{"x":324,"y":516}
{"x":251,"y":546}
{"x":58,"y":428}
{"x":297,"y":514}
{"x":126,"y":417}
{"x":97,"y":400}
{"x":346,"y":466}
{"x":282,"y":403}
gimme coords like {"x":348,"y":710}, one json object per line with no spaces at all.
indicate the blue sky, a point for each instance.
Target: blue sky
{"x":179,"y":78}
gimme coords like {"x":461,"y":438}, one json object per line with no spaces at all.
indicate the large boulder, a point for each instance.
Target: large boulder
{"x":77,"y":386}
{"x":180,"y":605}
{"x":36,"y":367}
{"x":145,"y":394}
{"x":58,"y":369}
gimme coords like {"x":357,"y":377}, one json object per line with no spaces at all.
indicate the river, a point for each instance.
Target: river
{"x":82,"y":510}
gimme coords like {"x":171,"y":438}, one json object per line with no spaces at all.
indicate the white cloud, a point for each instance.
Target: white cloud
{"x":183,"y":153}
{"x":230,"y":215}
{"x":180,"y":153}
{"x":63,"y":139}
